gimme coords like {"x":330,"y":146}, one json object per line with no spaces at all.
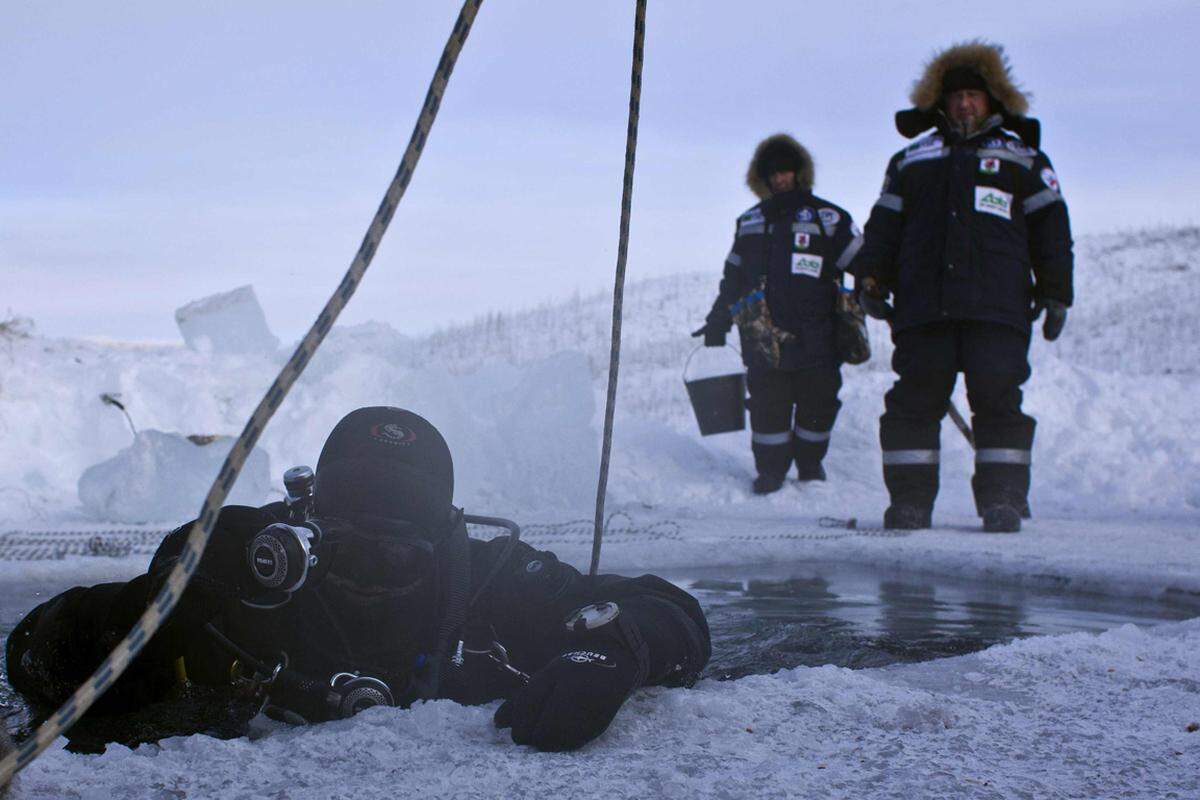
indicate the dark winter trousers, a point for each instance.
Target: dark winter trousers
{"x":779,"y":435}
{"x":994,"y":360}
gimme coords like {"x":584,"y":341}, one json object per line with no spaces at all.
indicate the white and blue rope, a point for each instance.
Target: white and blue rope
{"x":116,"y":662}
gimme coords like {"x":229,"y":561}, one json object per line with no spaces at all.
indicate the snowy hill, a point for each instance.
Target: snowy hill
{"x":519,"y":396}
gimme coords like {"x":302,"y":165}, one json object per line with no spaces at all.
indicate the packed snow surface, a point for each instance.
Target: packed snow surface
{"x":1078,"y":716}
{"x":519,"y":397}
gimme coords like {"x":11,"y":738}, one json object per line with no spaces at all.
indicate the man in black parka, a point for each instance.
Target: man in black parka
{"x":971,"y":237}
{"x":396,"y":604}
{"x":780,"y":285}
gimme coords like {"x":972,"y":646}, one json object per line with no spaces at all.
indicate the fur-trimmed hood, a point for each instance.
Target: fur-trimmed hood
{"x":987,"y":60}
{"x":780,"y":143}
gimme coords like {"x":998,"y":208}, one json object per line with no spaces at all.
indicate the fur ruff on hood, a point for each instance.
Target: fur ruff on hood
{"x":805,"y":175}
{"x":983,"y":58}
{"x":991,"y":64}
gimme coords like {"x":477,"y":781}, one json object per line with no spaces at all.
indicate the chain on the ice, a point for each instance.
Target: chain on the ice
{"x":116,"y":662}
{"x":625,"y":531}
{"x":58,"y":544}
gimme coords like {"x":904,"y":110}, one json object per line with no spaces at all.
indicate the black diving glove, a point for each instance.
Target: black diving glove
{"x":571,"y":700}
{"x":872,"y":296}
{"x":222,"y":576}
{"x":1056,"y":317}
{"x":713,"y":336}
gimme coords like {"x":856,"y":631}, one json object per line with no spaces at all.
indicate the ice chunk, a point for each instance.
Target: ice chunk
{"x":230,"y":322}
{"x":163,"y":477}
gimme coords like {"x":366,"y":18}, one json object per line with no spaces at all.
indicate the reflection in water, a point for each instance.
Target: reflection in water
{"x":826,"y":614}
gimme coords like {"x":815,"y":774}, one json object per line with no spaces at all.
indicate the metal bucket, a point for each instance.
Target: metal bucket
{"x":719,"y":402}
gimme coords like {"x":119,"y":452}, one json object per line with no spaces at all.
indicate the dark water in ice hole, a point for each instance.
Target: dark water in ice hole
{"x":764,"y":619}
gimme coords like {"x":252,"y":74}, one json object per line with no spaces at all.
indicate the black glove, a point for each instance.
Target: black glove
{"x":713,"y":337}
{"x":1056,"y":317}
{"x":873,"y":298}
{"x":571,"y":700}
{"x":221,"y":577}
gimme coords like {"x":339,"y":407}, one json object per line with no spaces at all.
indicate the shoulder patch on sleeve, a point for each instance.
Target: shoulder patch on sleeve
{"x":1051,"y":179}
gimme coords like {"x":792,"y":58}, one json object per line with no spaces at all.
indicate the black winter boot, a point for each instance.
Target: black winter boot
{"x":765,"y":484}
{"x":1001,"y":519}
{"x":810,"y":472}
{"x":907,"y":518}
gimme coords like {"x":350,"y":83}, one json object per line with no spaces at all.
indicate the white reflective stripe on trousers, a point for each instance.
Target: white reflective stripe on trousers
{"x":1001,"y":455}
{"x":771,"y":438}
{"x":810,"y":436}
{"x":904,"y":458}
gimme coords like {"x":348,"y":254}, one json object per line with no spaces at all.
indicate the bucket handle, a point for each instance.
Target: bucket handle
{"x":697,"y":349}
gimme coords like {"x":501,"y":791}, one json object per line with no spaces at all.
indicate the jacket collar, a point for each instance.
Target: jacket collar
{"x":952,"y":134}
{"x":912,"y":122}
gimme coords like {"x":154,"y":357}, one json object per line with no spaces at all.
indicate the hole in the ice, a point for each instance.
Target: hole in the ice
{"x":769,"y":618}
{"x":784,"y":616}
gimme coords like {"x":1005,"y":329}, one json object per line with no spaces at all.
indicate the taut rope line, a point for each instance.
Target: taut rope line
{"x":112,"y":667}
{"x":635,"y":101}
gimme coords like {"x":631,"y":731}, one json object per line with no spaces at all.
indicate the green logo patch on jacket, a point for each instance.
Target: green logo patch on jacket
{"x":991,"y":200}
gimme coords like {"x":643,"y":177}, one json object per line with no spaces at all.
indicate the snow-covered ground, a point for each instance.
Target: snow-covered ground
{"x":1075,"y":716}
{"x":519,"y":397}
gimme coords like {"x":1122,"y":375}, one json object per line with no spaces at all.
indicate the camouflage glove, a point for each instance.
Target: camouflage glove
{"x":1056,"y":317}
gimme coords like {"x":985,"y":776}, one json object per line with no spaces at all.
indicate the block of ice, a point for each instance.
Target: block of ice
{"x":163,"y":477}
{"x":230,"y":322}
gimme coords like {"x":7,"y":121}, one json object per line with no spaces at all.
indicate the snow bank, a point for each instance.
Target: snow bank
{"x":160,"y":476}
{"x":518,"y":395}
{"x":1067,"y":716}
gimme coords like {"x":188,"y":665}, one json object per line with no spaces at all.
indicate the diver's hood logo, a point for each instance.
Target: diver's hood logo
{"x":391,"y":433}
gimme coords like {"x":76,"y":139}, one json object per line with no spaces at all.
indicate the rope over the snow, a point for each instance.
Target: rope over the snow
{"x":112,"y":667}
{"x":614,"y":360}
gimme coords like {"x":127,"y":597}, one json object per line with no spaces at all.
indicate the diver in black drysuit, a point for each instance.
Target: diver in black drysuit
{"x":397,"y":605}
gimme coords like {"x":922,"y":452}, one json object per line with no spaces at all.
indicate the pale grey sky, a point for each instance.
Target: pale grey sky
{"x":153,"y":153}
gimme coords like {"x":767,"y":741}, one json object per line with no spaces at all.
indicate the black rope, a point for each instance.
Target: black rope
{"x":614,"y":361}
{"x":162,"y":605}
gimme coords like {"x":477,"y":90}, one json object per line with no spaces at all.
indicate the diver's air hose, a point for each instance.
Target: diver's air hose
{"x":455,"y":615}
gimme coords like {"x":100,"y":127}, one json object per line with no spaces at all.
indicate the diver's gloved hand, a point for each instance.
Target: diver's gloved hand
{"x":1056,"y":317}
{"x":872,"y":296}
{"x":222,"y":576}
{"x":571,"y":700}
